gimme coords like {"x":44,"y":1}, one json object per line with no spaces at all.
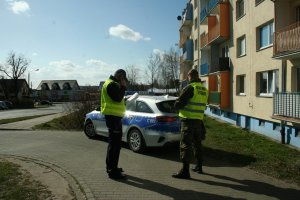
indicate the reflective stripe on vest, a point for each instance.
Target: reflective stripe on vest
{"x":109,"y":106}
{"x":196,"y":106}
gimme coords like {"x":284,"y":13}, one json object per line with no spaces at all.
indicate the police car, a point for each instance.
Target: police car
{"x":148,"y":121}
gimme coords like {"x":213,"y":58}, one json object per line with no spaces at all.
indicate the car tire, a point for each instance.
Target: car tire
{"x":89,"y":130}
{"x":136,"y":141}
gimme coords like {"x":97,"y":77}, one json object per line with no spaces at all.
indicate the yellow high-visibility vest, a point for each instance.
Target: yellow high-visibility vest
{"x":196,"y":106}
{"x":109,"y":106}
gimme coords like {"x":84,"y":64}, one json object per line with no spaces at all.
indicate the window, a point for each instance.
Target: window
{"x":298,"y":14}
{"x":258,"y":2}
{"x":196,"y":23}
{"x":298,"y":80}
{"x":268,"y":82}
{"x":240,"y":83}
{"x":142,"y":107}
{"x":241,"y":45}
{"x":266,"y":33}
{"x":196,"y":45}
{"x":225,"y":52}
{"x":240,"y":9}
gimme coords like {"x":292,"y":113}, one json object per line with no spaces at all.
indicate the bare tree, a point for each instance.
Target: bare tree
{"x":132,"y":74}
{"x":15,"y":66}
{"x":171,"y":63}
{"x":154,"y":63}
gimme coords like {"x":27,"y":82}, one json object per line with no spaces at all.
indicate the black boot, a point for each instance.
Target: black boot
{"x":198,"y":168}
{"x":184,"y":173}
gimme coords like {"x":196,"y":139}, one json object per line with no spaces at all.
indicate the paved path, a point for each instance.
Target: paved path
{"x":28,"y":124}
{"x":149,"y":174}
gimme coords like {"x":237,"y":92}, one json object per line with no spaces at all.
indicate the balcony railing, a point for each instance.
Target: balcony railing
{"x":215,"y":98}
{"x":203,"y":69}
{"x":287,"y":39}
{"x":286,"y":104}
{"x":223,"y":65}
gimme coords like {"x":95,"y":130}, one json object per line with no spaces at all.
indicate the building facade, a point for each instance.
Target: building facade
{"x":65,"y":90}
{"x":248,"y":56}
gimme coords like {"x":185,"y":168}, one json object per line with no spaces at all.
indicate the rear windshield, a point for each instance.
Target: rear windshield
{"x":167,"y":106}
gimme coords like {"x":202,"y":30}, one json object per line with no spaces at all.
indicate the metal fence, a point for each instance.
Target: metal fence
{"x":286,"y":104}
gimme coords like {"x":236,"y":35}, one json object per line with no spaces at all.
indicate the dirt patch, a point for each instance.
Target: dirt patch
{"x":59,"y":187}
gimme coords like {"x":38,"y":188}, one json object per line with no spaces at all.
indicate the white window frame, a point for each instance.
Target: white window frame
{"x":272,"y":82}
{"x":241,"y":51}
{"x":270,"y":36}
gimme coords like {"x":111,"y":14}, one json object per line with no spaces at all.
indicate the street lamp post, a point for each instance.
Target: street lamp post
{"x":29,"y":77}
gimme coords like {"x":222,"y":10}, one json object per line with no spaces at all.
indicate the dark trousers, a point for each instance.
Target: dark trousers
{"x":192,"y":134}
{"x":114,"y":125}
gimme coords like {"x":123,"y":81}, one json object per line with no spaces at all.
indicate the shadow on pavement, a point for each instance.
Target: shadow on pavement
{"x":255,"y":187}
{"x":174,"y":193}
{"x":212,"y":157}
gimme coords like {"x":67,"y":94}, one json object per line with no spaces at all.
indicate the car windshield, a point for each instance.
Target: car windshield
{"x":167,"y":106}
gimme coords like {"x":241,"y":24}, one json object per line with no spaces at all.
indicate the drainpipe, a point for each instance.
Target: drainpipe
{"x":282,"y":131}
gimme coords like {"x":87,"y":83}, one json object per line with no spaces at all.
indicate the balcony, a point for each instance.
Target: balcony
{"x":222,"y":65}
{"x":203,"y":69}
{"x":286,"y":106}
{"x":287,"y":43}
{"x":184,"y":35}
{"x":219,"y":89}
{"x":187,"y":16}
{"x":203,"y":14}
{"x":188,"y":54}
{"x":218,"y":27}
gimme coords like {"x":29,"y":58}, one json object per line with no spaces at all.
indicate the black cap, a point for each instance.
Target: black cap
{"x":121,"y":72}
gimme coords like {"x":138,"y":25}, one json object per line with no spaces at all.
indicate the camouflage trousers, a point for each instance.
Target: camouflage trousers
{"x":192,"y":134}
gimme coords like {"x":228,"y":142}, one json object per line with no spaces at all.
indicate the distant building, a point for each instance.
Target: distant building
{"x":14,"y":89}
{"x":64,"y":90}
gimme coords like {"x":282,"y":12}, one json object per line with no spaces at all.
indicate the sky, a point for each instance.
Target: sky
{"x":87,"y":40}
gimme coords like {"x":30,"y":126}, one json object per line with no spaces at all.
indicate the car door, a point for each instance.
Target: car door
{"x":99,"y":123}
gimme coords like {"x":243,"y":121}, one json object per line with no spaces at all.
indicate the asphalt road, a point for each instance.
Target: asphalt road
{"x":149,"y":174}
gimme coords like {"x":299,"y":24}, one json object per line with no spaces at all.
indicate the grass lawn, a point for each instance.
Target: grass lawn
{"x":11,"y":120}
{"x":16,"y":184}
{"x":240,"y":147}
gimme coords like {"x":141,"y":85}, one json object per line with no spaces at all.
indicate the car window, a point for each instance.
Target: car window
{"x":167,"y":106}
{"x":143,"y":107}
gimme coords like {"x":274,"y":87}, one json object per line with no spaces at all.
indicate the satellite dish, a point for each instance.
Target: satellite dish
{"x":178,"y":18}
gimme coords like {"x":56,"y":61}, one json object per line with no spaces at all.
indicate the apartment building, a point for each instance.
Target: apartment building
{"x":248,"y":56}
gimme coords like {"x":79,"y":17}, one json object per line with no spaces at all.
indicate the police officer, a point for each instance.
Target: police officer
{"x":113,"y":107}
{"x":191,"y":104}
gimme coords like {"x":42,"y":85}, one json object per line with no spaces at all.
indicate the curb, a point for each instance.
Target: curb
{"x":79,"y":188}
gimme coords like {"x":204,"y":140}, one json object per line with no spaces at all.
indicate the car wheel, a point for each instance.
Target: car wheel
{"x":136,"y":140}
{"x":89,"y":130}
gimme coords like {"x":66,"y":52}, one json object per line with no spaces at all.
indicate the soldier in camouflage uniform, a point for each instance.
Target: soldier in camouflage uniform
{"x":191,"y":104}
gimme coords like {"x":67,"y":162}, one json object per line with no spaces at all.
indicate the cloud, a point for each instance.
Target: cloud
{"x":64,"y":65}
{"x":159,"y":52}
{"x":126,"y":33}
{"x":18,"y":7}
{"x":34,"y":54}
